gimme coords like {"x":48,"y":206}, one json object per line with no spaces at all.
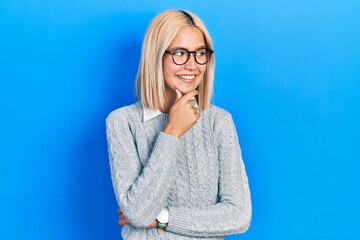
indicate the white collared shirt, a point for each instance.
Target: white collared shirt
{"x":149,"y":113}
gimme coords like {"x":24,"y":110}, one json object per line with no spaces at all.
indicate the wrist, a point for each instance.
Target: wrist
{"x":172,"y":131}
{"x":163,"y":218}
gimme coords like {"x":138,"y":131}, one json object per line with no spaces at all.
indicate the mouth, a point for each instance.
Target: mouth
{"x":186,"y":78}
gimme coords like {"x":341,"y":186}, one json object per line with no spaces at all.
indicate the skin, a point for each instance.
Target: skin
{"x":179,"y":92}
{"x":192,"y":39}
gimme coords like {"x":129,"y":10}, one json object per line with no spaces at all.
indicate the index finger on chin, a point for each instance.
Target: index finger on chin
{"x":190,"y":95}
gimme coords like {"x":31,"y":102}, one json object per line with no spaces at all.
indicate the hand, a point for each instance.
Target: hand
{"x":122,"y":220}
{"x":183,"y":114}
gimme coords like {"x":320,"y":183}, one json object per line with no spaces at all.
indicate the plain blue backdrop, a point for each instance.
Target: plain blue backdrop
{"x":288,"y":71}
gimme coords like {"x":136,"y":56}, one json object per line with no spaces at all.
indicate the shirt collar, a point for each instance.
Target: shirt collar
{"x":149,"y":113}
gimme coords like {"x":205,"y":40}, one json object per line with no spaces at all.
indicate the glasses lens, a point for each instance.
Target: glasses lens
{"x":180,"y":56}
{"x":202,"y":56}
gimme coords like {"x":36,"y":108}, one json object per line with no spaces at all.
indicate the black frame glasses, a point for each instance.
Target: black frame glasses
{"x":181,"y":56}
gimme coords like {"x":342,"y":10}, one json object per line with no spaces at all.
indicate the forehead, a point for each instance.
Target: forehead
{"x":188,"y":37}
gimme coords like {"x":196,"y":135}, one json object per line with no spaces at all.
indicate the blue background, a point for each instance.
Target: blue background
{"x":288,"y":71}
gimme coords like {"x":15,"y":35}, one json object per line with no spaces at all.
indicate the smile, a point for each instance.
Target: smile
{"x":187,"y":77}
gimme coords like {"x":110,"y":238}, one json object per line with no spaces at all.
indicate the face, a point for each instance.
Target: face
{"x":188,"y":76}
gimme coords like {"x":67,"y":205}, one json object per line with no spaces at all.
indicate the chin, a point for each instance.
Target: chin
{"x":186,"y":90}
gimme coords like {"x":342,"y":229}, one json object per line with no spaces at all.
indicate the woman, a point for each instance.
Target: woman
{"x":175,"y":160}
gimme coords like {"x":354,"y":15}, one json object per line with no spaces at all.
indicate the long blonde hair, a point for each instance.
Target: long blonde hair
{"x":150,"y":85}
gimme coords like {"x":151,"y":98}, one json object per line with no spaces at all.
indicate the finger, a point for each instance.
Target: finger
{"x":198,"y":115}
{"x":192,"y":102}
{"x":119,"y":211}
{"x":122,"y":216}
{"x":178,"y":95}
{"x":122,"y":222}
{"x":190,"y":95}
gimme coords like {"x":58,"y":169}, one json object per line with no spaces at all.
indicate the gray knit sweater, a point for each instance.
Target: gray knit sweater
{"x":200,"y":177}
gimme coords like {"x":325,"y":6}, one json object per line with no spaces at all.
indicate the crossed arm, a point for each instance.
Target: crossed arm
{"x":142,"y":191}
{"x":232,"y":214}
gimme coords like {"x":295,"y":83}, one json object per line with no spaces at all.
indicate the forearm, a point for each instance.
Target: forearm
{"x":232,"y":214}
{"x":217,"y":220}
{"x":140,"y":190}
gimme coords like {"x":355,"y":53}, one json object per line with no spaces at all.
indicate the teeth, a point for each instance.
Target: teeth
{"x":188,"y":77}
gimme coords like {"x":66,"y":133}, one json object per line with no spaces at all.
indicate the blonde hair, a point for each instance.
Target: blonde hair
{"x":150,"y":85}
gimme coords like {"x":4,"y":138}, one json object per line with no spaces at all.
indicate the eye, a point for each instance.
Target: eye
{"x":201,"y":52}
{"x":180,"y":53}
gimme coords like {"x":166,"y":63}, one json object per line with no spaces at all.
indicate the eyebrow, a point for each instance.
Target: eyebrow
{"x":202,"y":46}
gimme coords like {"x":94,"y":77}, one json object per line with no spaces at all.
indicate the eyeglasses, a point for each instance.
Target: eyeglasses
{"x":180,"y":56}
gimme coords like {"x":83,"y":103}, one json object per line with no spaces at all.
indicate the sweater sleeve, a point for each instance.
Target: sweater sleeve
{"x":140,"y":190}
{"x":232,"y":213}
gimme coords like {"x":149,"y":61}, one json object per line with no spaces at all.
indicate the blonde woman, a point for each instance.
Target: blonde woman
{"x":175,"y":159}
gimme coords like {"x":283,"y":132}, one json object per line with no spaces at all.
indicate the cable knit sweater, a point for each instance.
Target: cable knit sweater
{"x":200,"y":177}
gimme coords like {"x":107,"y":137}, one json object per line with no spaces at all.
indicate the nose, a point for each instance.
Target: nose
{"x":191,"y":63}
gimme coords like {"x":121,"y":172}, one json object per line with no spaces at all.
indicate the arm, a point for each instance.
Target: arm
{"x":140,"y":191}
{"x":232,"y":214}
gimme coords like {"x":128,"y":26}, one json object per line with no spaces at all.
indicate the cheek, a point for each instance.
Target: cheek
{"x":202,"y":70}
{"x":170,"y":70}
{"x":168,"y":66}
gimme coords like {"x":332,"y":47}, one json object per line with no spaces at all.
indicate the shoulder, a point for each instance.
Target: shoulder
{"x":217,"y":113}
{"x":218,"y":118}
{"x":130,"y":113}
{"x":127,"y":111}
